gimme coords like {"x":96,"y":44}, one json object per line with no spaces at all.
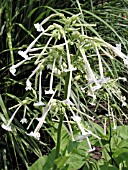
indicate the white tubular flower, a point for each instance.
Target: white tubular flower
{"x":39,"y":27}
{"x":6,"y":127}
{"x":118,"y":46}
{"x":89,"y":144}
{"x":13,"y":67}
{"x":123,"y":99}
{"x":13,"y":70}
{"x":100,"y":63}
{"x":28,"y":85}
{"x":68,"y":101}
{"x":76,"y":118}
{"x":70,"y":69}
{"x":40,"y":103}
{"x":24,"y":55}
{"x":34,"y":134}
{"x":39,"y":119}
{"x":50,"y":91}
{"x":23,"y":120}
{"x":123,"y":78}
{"x":104,"y":80}
{"x":98,"y":86}
{"x":81,"y":137}
{"x":125,"y":61}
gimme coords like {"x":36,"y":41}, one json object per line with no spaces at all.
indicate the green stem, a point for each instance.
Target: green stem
{"x":58,"y":139}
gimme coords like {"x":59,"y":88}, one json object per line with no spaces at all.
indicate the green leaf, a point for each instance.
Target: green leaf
{"x":38,"y":164}
{"x":122,"y":131}
{"x":61,"y":161}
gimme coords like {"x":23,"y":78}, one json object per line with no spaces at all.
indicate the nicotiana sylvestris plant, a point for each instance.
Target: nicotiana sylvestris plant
{"x":77,"y":76}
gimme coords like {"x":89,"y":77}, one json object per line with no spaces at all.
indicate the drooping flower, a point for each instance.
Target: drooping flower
{"x":34,"y":134}
{"x":51,"y":91}
{"x":24,"y":55}
{"x":28,"y":85}
{"x":39,"y":27}
{"x":118,"y":46}
{"x":13,"y":67}
{"x":13,"y":70}
{"x":6,"y":127}
{"x":68,"y":101}
{"x":40,"y":103}
{"x":23,"y":120}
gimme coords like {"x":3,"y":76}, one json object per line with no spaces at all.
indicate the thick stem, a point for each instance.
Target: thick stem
{"x":58,"y":139}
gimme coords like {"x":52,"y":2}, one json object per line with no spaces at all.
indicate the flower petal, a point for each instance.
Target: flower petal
{"x":39,"y":27}
{"x":13,"y":70}
{"x":6,"y":127}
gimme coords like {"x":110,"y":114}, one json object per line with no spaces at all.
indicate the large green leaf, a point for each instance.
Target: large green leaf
{"x":39,"y":163}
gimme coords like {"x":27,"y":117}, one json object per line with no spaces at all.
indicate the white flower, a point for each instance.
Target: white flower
{"x":123,"y":78}
{"x":89,"y":144}
{"x":118,"y":46}
{"x":49,"y":91}
{"x":98,"y":86}
{"x":124,"y":104}
{"x":23,"y":120}
{"x":104,"y":80}
{"x":40,"y":103}
{"x":35,"y":135}
{"x":92,"y":149}
{"x":125,"y":61}
{"x":76,"y":118}
{"x":24,"y":55}
{"x":123,"y":99}
{"x":68,"y":101}
{"x":6,"y":127}
{"x":13,"y":67}
{"x":13,"y":70}
{"x":39,"y":119}
{"x":39,"y":27}
{"x":81,"y":137}
{"x":70,"y":69}
{"x":28,"y":85}
{"x":49,"y":66}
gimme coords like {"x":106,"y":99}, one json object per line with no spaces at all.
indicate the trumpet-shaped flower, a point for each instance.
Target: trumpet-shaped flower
{"x":24,"y":55}
{"x":23,"y":120}
{"x":13,"y":70}
{"x":28,"y":85}
{"x":40,"y":103}
{"x":34,"y":134}
{"x":13,"y":67}
{"x":50,"y":91}
{"x":81,"y":137}
{"x":39,"y":27}
{"x":6,"y":127}
{"x":125,"y":61}
{"x":118,"y":46}
{"x":68,"y":101}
